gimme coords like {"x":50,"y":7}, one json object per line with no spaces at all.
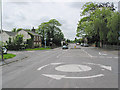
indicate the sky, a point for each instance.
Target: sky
{"x":31,"y":13}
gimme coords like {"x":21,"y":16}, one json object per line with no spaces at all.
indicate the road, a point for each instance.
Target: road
{"x":83,"y":67}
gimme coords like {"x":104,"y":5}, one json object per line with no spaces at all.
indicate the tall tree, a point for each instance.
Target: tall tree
{"x":50,"y":30}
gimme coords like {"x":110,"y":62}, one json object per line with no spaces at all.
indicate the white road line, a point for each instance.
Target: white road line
{"x":59,"y":55}
{"x":109,"y":57}
{"x":47,"y":51}
{"x":103,"y":66}
{"x":43,"y":67}
{"x":102,"y":53}
{"x":115,"y":57}
{"x":86,"y":77}
{"x":48,"y":65}
{"x":59,"y":77}
{"x":87,"y":53}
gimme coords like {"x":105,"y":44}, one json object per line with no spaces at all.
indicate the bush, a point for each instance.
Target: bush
{"x":29,"y":43}
{"x":16,"y":43}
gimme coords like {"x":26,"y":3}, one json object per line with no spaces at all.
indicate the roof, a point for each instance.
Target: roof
{"x":10,"y":33}
{"x":33,"y":33}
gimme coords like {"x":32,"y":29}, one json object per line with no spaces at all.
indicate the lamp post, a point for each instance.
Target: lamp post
{"x":1,"y":31}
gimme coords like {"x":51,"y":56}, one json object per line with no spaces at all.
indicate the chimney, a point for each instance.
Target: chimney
{"x":33,"y":29}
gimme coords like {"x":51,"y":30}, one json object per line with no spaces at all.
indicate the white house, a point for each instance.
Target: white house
{"x":36,"y":39}
{"x":25,"y":35}
{"x":5,"y":35}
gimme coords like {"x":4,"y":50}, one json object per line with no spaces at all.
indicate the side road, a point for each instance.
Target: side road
{"x":21,"y":55}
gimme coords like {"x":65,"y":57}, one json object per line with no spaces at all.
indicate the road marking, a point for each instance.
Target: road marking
{"x":59,"y":55}
{"x":109,"y":57}
{"x":102,"y":66}
{"x":55,"y":63}
{"x":87,"y":53}
{"x":102,"y":54}
{"x":42,"y":67}
{"x":73,"y":68}
{"x":59,"y":77}
{"x":48,"y":65}
{"x":47,"y":51}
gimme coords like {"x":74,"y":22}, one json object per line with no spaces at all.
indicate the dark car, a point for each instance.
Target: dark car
{"x":65,"y":47}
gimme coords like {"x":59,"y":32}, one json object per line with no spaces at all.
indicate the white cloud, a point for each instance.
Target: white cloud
{"x":28,"y":14}
{"x":61,"y":0}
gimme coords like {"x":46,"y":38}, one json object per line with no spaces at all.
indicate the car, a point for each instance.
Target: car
{"x":77,"y":43}
{"x":65,"y":47}
{"x":82,"y":44}
{"x":4,"y":50}
{"x":86,"y":45}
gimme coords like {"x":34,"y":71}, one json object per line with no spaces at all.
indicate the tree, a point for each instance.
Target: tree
{"x":15,"y":43}
{"x":14,"y":30}
{"x":50,"y":30}
{"x":19,"y":29}
{"x":114,"y":27}
{"x":94,"y":22}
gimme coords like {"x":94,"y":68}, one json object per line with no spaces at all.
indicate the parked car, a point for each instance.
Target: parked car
{"x":65,"y":47}
{"x":77,"y":43}
{"x":86,"y":45}
{"x":4,"y":50}
{"x":82,"y":44}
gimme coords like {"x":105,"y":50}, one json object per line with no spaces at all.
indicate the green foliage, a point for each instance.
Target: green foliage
{"x":14,"y":30}
{"x":100,"y":21}
{"x":8,"y":56}
{"x":37,"y":49}
{"x":29,"y":43}
{"x":15,"y":43}
{"x":19,"y":29}
{"x":50,"y":30}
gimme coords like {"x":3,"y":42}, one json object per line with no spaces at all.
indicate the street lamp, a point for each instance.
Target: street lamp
{"x":1,"y":31}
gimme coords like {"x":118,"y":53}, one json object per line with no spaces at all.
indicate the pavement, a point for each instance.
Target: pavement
{"x":83,"y":67}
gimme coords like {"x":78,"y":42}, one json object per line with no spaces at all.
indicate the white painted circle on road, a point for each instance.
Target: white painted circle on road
{"x":73,"y":68}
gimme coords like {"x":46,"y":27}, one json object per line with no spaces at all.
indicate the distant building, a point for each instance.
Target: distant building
{"x":36,"y":39}
{"x":5,"y":35}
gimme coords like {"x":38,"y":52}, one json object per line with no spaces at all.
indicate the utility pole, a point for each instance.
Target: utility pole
{"x":1,"y":30}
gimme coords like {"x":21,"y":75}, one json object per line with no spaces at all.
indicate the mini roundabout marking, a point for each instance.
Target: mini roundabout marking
{"x":65,"y":68}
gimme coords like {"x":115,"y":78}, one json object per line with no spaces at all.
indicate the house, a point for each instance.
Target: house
{"x":36,"y":39}
{"x":5,"y":35}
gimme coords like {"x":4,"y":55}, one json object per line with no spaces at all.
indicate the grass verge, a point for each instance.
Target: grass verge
{"x":37,"y":49}
{"x":7,"y":56}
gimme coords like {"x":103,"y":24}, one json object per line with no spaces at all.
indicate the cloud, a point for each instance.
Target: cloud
{"x":77,"y":5}
{"x":32,"y":14}
{"x":59,"y":0}
{"x":27,"y":15}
